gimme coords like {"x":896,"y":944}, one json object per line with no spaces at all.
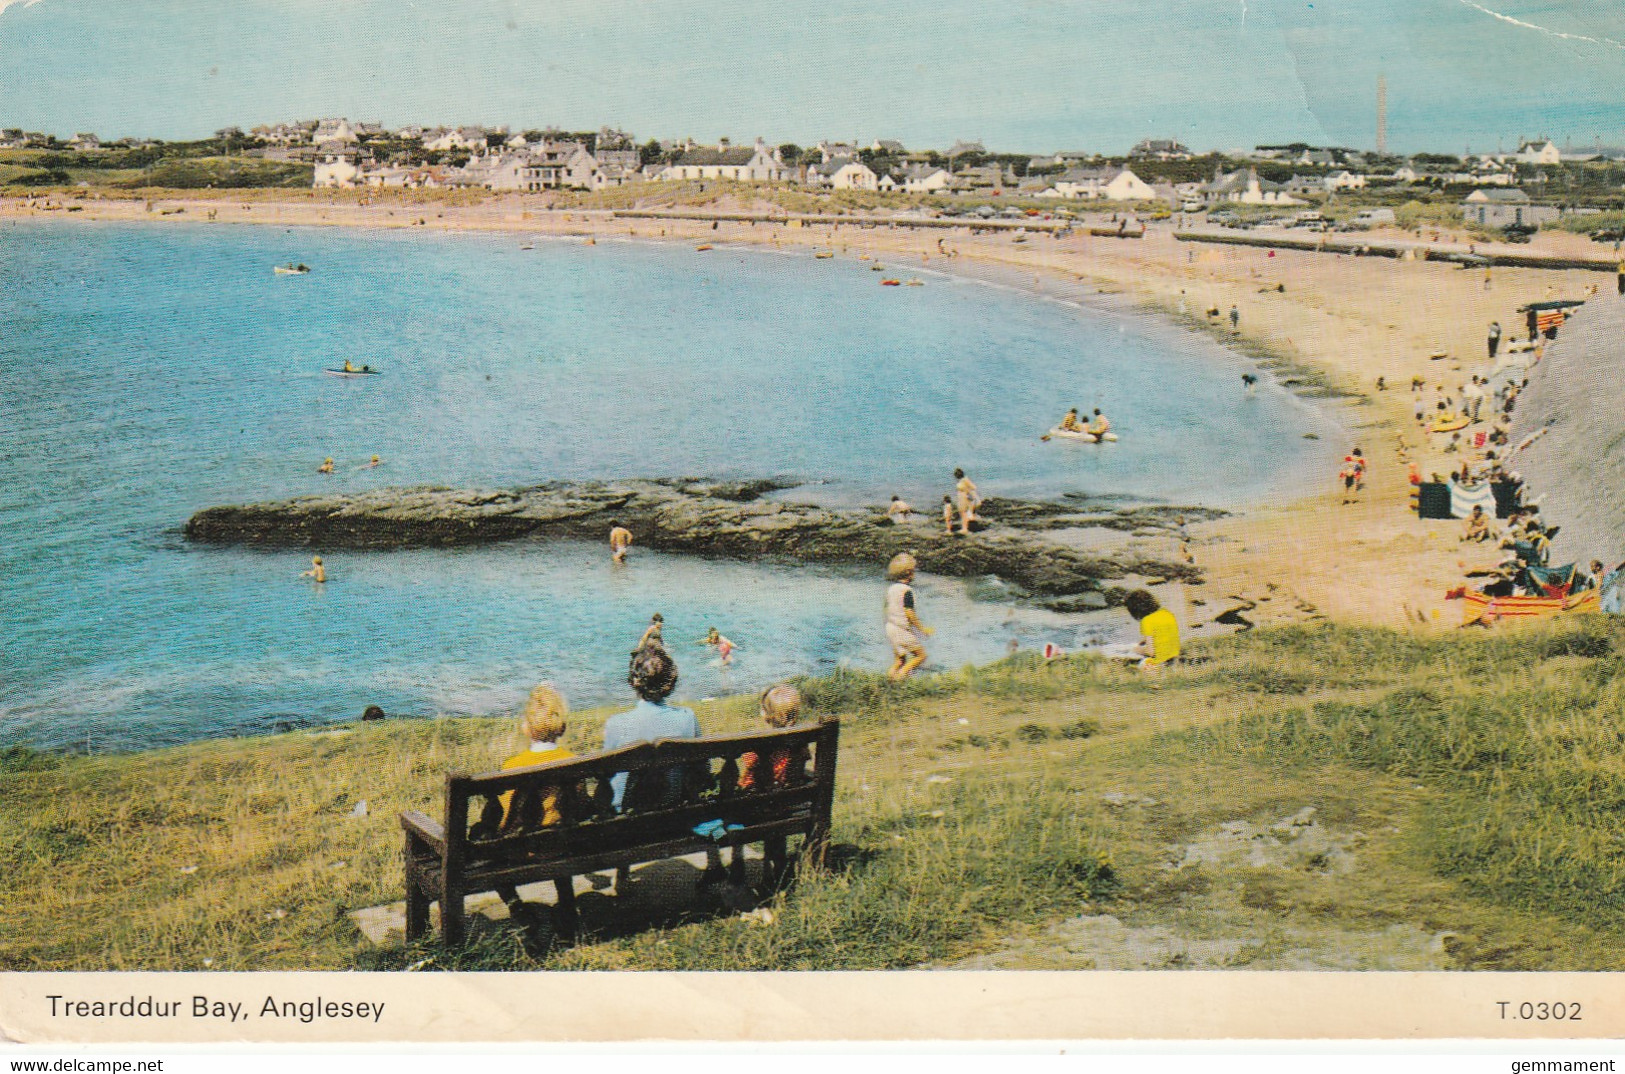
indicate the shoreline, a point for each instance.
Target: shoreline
{"x":1342,"y":322}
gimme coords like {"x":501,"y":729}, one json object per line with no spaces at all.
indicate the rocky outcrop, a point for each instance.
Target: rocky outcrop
{"x":1069,"y":554}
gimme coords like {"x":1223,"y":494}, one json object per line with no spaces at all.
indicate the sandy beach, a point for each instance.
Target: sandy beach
{"x":1328,"y":325}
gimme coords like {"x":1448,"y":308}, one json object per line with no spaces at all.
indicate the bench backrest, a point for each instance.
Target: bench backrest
{"x":672,"y":785}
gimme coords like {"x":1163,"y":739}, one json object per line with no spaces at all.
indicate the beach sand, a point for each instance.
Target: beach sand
{"x":1340,"y":323}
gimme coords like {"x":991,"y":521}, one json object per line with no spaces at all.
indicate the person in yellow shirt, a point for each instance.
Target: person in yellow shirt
{"x":543,"y":722}
{"x":1159,"y":630}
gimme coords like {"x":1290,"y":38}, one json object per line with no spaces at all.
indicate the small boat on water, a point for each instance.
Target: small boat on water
{"x":823,"y":255}
{"x":891,"y":283}
{"x":353,"y":371}
{"x":703,"y":247}
{"x":1079,"y":436}
{"x":290,"y":269}
{"x":915,"y":283}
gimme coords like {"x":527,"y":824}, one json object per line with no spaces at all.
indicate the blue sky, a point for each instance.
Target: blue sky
{"x":1021,"y":75}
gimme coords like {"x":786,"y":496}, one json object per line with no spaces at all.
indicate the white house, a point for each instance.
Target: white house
{"x":472,"y":138}
{"x":1542,"y":152}
{"x":854,"y":175}
{"x":926,"y":179}
{"x":1110,"y":184}
{"x":757,"y":164}
{"x":1246,"y":188}
{"x":339,"y":168}
{"x":1345,"y":180}
{"x":1503,"y":208}
{"x":334,"y":130}
{"x":555,"y":165}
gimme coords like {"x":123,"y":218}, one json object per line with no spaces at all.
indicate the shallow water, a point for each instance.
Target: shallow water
{"x":152,"y":371}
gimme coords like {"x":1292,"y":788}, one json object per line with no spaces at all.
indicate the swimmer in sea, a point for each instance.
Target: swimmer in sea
{"x":372,"y":464}
{"x":326,"y":467}
{"x":724,"y":647}
{"x":651,"y":635}
{"x":316,"y":573}
{"x":620,"y":539}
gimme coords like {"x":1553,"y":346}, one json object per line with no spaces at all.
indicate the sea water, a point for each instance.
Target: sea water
{"x":150,"y":371}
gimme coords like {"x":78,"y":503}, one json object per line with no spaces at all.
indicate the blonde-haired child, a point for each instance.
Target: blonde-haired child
{"x":783,"y":767}
{"x":543,"y":721}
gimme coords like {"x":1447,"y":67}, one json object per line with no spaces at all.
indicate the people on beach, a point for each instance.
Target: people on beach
{"x":317,"y":572}
{"x":326,"y":467}
{"x":725,"y":648}
{"x":651,"y":636}
{"x":620,"y":539}
{"x":969,"y":499}
{"x":1478,"y":528}
{"x":1494,"y":338}
{"x":903,"y":626}
{"x":1353,"y":475}
{"x":898,"y":511}
{"x":1159,"y":630}
{"x":948,"y":515}
{"x":1235,"y":319}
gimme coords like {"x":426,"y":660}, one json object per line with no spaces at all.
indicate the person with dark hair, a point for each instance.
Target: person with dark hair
{"x":652,"y":676}
{"x":1159,"y":630}
{"x":969,"y":500}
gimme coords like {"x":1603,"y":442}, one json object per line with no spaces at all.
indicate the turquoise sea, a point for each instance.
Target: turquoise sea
{"x":149,"y":371}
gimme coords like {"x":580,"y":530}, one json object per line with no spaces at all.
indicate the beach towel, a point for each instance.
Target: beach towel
{"x":1463,"y":498}
{"x":1552,"y":581}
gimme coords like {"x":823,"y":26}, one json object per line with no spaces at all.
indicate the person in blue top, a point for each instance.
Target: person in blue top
{"x":652,"y":676}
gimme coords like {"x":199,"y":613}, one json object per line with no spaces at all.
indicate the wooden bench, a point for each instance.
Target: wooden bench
{"x":673,"y":786}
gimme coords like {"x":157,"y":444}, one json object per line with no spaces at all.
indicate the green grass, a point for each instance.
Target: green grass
{"x":1482,"y":773}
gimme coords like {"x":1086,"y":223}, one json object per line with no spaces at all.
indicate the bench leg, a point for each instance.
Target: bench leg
{"x":417,"y":911}
{"x":564,"y":924}
{"x":451,"y":916}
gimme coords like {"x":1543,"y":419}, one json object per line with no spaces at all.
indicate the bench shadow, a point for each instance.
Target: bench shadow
{"x":659,"y":895}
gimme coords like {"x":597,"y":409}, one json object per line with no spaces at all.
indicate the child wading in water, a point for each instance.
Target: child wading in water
{"x":317,"y":572}
{"x":948,"y":514}
{"x":901,"y":621}
{"x":724,"y":647}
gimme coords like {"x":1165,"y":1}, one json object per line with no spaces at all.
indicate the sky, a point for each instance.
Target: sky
{"x":1020,"y":75}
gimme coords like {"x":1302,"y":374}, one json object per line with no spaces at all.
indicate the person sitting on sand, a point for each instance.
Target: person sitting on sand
{"x":326,"y":467}
{"x":1159,"y":630}
{"x":1070,"y":423}
{"x":969,"y":499}
{"x":620,"y":539}
{"x":899,"y":511}
{"x":1100,"y":426}
{"x":948,"y":514}
{"x":724,"y":647}
{"x":316,"y":573}
{"x":1478,"y":527}
{"x":903,"y":626}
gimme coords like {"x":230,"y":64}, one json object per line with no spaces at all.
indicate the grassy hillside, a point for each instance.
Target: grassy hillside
{"x":1468,"y":787}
